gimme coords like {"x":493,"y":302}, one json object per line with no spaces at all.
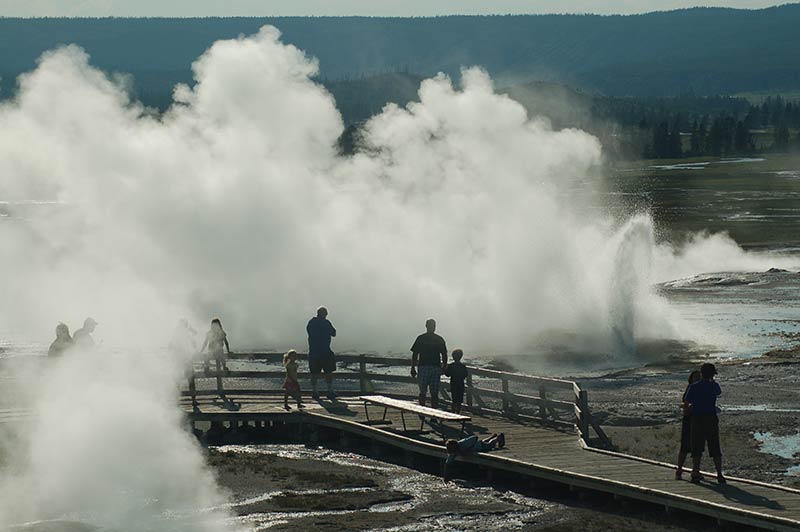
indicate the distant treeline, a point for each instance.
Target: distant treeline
{"x":705,"y":50}
{"x":629,"y":128}
{"x":723,"y":127}
{"x":643,"y":82}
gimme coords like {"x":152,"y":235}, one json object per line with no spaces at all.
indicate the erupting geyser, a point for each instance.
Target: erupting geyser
{"x":235,"y":202}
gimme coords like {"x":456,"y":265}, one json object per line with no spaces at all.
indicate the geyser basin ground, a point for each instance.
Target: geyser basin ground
{"x":289,"y":488}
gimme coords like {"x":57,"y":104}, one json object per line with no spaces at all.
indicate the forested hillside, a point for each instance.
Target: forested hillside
{"x":653,"y":85}
{"x":631,"y":127}
{"x":702,"y":50}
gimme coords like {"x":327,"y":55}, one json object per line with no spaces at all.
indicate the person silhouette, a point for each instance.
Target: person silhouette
{"x":62,"y":342}
{"x":702,"y":397}
{"x":83,"y":336}
{"x":320,"y":356}
{"x":425,"y":355}
{"x":291,"y":384}
{"x":216,"y":338}
{"x":686,"y":429}
{"x":458,"y":373}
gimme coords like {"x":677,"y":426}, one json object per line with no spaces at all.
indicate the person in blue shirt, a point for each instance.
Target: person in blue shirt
{"x":702,"y":399}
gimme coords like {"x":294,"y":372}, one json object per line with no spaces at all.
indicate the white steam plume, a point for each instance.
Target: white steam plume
{"x":235,"y":203}
{"x":105,"y":447}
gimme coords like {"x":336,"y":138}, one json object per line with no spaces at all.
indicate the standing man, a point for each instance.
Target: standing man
{"x":429,"y":352}
{"x":320,"y":357}
{"x":702,"y":396}
{"x":82,"y":338}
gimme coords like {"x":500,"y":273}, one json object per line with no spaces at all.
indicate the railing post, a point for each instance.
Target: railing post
{"x":542,"y":407}
{"x":505,"y":394}
{"x":583,"y":422}
{"x":362,"y":373}
{"x":469,"y":390}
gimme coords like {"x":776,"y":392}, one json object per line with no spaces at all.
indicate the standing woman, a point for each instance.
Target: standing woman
{"x":686,"y":425}
{"x":62,"y":342}
{"x":215,"y":340}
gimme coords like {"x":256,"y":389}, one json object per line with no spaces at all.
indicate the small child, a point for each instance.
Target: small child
{"x":216,"y":339}
{"x":290,"y":384}
{"x":458,"y":373}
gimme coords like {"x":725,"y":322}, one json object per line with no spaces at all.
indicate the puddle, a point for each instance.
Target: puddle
{"x":680,"y":166}
{"x":783,"y":446}
{"x":301,"y":452}
{"x":741,"y":160}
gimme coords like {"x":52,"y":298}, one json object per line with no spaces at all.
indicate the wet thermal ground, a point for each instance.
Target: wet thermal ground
{"x":288,"y":487}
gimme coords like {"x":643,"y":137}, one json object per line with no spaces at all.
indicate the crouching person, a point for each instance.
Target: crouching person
{"x":469,"y":445}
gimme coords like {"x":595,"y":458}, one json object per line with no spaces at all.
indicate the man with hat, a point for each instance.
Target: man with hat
{"x":82,"y":338}
{"x":702,"y":397}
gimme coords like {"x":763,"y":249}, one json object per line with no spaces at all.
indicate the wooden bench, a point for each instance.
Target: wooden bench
{"x":423,"y":412}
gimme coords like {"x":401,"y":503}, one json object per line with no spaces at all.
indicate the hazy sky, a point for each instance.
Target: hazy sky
{"x":25,"y":8}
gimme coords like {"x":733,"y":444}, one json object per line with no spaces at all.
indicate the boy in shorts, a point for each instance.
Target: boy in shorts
{"x":458,"y":374}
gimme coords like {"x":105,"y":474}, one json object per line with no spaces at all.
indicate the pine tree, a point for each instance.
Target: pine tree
{"x":752,"y":120}
{"x":661,"y":141}
{"x":728,"y":135}
{"x":743,"y":140}
{"x":675,"y":144}
{"x":716,"y":137}
{"x":778,"y":111}
{"x":695,"y":141}
{"x":781,"y":138}
{"x":764,"y":114}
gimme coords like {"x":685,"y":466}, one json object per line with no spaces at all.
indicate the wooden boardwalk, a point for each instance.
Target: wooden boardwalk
{"x":537,"y":450}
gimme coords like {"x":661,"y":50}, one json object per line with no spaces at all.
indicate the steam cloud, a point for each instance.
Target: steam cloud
{"x":105,"y":447}
{"x":236,"y":203}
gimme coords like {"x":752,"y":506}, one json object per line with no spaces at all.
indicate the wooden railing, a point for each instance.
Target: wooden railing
{"x":515,"y":395}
